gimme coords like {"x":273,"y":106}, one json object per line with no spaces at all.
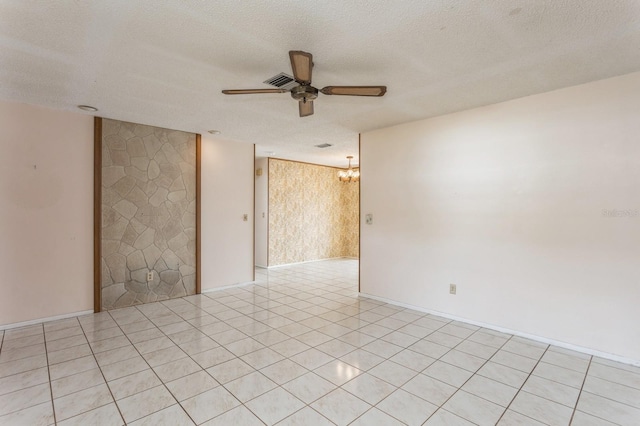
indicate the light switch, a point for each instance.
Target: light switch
{"x":369,"y":219}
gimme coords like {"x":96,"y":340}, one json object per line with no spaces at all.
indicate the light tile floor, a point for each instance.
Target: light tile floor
{"x":299,"y":348}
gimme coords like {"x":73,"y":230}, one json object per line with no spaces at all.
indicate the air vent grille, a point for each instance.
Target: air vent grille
{"x":282,"y":81}
{"x":323,"y":145}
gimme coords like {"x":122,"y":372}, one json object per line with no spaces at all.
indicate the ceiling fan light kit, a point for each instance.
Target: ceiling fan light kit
{"x":304,"y":92}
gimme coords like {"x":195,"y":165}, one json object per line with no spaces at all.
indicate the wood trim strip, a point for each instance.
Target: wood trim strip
{"x":198,"y":213}
{"x":359,"y":210}
{"x":97,"y":214}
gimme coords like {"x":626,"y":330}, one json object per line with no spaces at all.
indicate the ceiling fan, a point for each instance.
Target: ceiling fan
{"x":302,"y":90}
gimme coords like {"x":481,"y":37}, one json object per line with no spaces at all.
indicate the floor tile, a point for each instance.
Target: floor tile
{"x":340,"y":407}
{"x":230,"y":370}
{"x":212,"y":357}
{"x":124,"y":368}
{"x":80,"y":402}
{"x":36,"y":415}
{"x":407,"y":407}
{"x":147,"y":402}
{"x":511,"y":418}
{"x":554,"y":391}
{"x":107,"y":415}
{"x":262,"y":358}
{"x":393,"y":373}
{"x":311,"y":358}
{"x":559,"y":374}
{"x":24,"y":380}
{"x":209,"y":404}
{"x":133,"y":383}
{"x":541,"y":409}
{"x":607,"y":409}
{"x":274,"y":405}
{"x":176,"y":369}
{"x":375,"y":417}
{"x":503,"y":374}
{"x":309,"y":387}
{"x":445,"y":418}
{"x":283,"y":371}
{"x":369,"y":388}
{"x":239,"y":416}
{"x":24,"y":398}
{"x":76,"y":382}
{"x":304,"y":417}
{"x":191,"y":385}
{"x":173,"y":415}
{"x":430,"y":389}
{"x":491,"y":390}
{"x":474,"y":408}
{"x":250,"y":386}
{"x":337,"y":372}
{"x":448,"y":373}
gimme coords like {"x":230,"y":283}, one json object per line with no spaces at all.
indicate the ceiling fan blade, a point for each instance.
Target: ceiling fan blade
{"x":306,"y":108}
{"x":252,"y":91}
{"x":355,"y":90}
{"x":301,"y":64}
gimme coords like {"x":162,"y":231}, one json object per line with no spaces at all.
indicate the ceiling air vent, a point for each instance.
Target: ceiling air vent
{"x":323,"y":145}
{"x":282,"y":81}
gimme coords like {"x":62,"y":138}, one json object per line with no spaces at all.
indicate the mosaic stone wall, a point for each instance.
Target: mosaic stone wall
{"x":148,"y":213}
{"x":312,"y":215}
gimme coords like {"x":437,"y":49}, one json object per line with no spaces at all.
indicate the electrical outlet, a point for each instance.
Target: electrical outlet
{"x":452,"y":288}
{"x":150,"y":276}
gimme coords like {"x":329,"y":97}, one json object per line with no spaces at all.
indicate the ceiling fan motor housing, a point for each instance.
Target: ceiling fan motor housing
{"x":304,"y":93}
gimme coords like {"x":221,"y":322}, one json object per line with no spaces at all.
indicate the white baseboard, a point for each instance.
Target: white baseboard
{"x":227,"y":287}
{"x":41,"y":320}
{"x":310,"y":261}
{"x":540,"y":339}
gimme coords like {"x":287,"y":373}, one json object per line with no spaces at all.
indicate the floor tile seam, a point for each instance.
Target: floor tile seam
{"x":521,"y":386}
{"x":554,"y":380}
{"x":466,"y":381}
{"x":105,"y":382}
{"x":565,"y":367}
{"x":613,"y":382}
{"x":610,"y":399}
{"x":53,"y":410}
{"x":600,"y":363}
{"x":597,"y":417}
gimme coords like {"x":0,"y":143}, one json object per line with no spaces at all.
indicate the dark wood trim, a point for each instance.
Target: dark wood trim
{"x":198,"y":213}
{"x":359,"y":210}
{"x":255,"y":217}
{"x":97,"y":214}
{"x":268,"y":207}
{"x":315,"y":164}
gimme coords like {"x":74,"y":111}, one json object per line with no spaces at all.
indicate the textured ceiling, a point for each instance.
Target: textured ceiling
{"x":166,"y":65}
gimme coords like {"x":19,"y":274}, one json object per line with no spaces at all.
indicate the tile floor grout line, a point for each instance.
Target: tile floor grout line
{"x":523,"y":383}
{"x":101,"y":373}
{"x":459,"y":388}
{"x":575,"y":408}
{"x":46,"y":354}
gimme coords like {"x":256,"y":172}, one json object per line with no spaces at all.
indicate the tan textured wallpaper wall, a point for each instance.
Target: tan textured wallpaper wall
{"x":312,"y":215}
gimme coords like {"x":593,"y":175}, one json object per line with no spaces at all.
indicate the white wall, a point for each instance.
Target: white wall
{"x":227,"y":194}
{"x":46,"y":213}
{"x":261,"y":213}
{"x":507,"y":201}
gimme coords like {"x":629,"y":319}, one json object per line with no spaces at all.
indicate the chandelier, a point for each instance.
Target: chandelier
{"x":349,"y":175}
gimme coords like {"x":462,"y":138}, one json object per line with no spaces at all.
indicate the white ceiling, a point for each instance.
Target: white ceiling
{"x":166,"y":65}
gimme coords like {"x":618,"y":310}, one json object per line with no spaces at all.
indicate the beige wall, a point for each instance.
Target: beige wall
{"x":227,"y":195}
{"x":261,"y":213}
{"x":312,"y":215}
{"x":507,"y":202}
{"x":46,"y":213}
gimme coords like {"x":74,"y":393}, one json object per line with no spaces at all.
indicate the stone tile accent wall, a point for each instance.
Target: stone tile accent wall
{"x":312,"y":215}
{"x":148,"y":213}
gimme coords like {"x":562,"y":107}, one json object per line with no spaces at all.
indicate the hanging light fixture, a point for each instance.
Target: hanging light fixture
{"x":349,"y":175}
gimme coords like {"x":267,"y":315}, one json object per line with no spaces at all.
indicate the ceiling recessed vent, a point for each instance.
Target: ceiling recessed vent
{"x":323,"y":145}
{"x":282,"y":81}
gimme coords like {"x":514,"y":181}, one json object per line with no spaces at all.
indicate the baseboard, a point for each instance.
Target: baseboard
{"x":227,"y":287}
{"x":540,"y":339}
{"x":310,"y":261}
{"x":42,"y":320}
